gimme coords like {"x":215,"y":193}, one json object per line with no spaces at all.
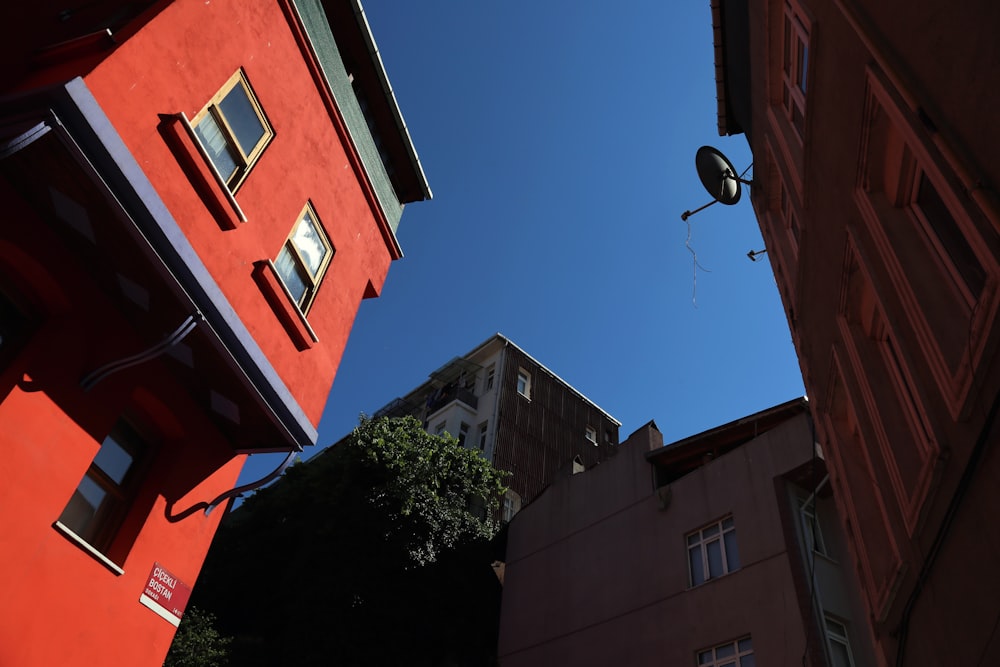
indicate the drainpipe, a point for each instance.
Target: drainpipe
{"x":949,"y":518}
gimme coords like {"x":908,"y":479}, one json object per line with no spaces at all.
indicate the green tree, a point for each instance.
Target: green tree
{"x":374,"y":552}
{"x":197,"y":642}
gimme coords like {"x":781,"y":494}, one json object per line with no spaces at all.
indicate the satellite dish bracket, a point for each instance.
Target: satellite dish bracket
{"x":719,"y":177}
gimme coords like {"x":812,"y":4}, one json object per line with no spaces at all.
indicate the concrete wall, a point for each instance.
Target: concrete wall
{"x":597,"y":571}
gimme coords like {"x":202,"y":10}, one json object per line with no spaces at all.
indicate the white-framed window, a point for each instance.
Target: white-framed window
{"x":463,"y":433}
{"x":737,"y":653}
{"x":304,"y":258}
{"x":439,"y":429}
{"x":482,"y":436}
{"x":490,"y":377}
{"x":712,"y":551}
{"x":838,"y":643}
{"x":591,"y":434}
{"x":524,"y":383}
{"x":98,"y":506}
{"x":789,"y":219}
{"x":233,"y":130}
{"x":795,"y":66}
{"x":812,"y":532}
{"x":938,"y":245}
{"x":510,"y":505}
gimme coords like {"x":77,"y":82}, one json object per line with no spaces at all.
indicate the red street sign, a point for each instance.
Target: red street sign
{"x":165,"y":594}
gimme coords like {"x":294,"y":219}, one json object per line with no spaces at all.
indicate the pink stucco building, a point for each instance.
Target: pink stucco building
{"x":874,"y":139}
{"x":714,"y":550}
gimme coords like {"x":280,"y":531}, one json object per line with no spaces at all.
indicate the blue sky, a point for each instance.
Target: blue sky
{"x":559,"y":140}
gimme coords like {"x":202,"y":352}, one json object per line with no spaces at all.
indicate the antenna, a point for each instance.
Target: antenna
{"x":718,"y":175}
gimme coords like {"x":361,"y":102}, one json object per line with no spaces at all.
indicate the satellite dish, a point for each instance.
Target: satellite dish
{"x":718,"y":175}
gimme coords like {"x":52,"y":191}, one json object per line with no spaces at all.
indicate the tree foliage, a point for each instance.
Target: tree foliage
{"x":197,"y":642}
{"x":374,"y":552}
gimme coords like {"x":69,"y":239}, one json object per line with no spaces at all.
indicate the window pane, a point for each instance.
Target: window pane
{"x":714,"y":558}
{"x":804,"y":65}
{"x":292,"y":275}
{"x":697,"y":569}
{"x":711,"y":530}
{"x":726,"y":651}
{"x":745,"y":645}
{"x":732,"y":554}
{"x":943,"y":224}
{"x":214,"y":141}
{"x":113,"y":460}
{"x":810,"y":537}
{"x":705,"y":657}
{"x":787,"y":58}
{"x":309,"y":244}
{"x":242,"y":118}
{"x":798,"y":118}
{"x":748,"y":661}
{"x":87,"y":500}
{"x":82,"y":508}
{"x":727,"y":523}
{"x":840,"y":655}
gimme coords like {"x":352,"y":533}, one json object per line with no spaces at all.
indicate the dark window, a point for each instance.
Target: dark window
{"x":730,"y":654}
{"x":942,"y":224}
{"x":104,"y":495}
{"x":712,"y":551}
{"x":482,"y":436}
{"x":795,"y":66}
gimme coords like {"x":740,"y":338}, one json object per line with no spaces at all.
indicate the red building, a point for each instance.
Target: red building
{"x":713,"y":551}
{"x":873,"y":130}
{"x":197,"y":196}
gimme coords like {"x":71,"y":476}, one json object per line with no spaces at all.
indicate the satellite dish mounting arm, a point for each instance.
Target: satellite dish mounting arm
{"x":687,"y":214}
{"x":719,"y":177}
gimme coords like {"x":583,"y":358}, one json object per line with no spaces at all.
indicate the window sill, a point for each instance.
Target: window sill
{"x":283,"y":305}
{"x":198,"y":167}
{"x":88,"y":548}
{"x":713,"y":579}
